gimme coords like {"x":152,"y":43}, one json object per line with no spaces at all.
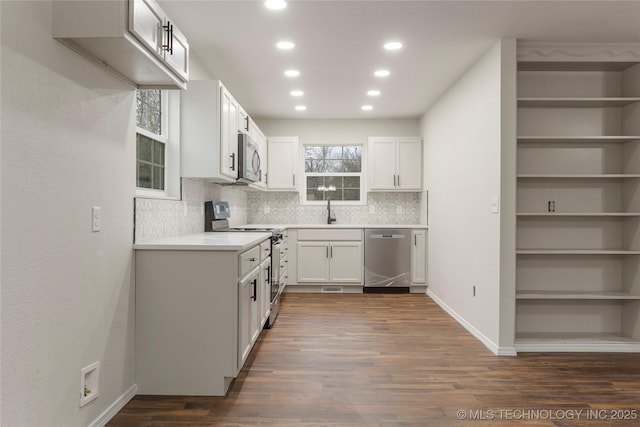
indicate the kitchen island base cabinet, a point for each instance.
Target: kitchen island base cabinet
{"x":197,"y":318}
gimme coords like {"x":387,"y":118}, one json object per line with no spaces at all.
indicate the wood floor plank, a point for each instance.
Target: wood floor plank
{"x":396,"y":360}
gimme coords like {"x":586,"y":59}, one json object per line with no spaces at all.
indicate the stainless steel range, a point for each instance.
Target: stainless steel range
{"x":217,"y":214}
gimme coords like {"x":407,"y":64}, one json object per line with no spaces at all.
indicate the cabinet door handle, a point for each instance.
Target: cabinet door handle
{"x":169,"y":31}
{"x":415,"y":240}
{"x":294,"y":179}
{"x":252,"y":259}
{"x":398,"y":180}
{"x":255,"y":289}
{"x":394,"y":179}
{"x":330,"y":251}
{"x":247,"y":126}
{"x":233,"y":161}
{"x":327,"y":251}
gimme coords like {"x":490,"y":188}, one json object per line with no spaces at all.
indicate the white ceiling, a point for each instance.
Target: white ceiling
{"x":339,"y":46}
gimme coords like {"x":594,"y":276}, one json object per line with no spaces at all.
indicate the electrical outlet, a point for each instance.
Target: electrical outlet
{"x":267,"y":209}
{"x":372,"y":209}
{"x":89,"y":377}
{"x":399,"y":209}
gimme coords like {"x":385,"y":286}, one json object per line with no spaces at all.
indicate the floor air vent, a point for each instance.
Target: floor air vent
{"x":332,"y":289}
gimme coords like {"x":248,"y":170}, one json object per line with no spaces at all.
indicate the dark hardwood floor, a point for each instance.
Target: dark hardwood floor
{"x":399,"y":360}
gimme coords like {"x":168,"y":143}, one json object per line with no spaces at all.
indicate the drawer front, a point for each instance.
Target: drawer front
{"x":265,"y":250}
{"x":325,"y":234}
{"x":249,"y":260}
{"x":284,"y":263}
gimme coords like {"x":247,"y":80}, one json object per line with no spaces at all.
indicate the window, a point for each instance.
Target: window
{"x":151,"y":139}
{"x":157,"y":149}
{"x":333,"y":171}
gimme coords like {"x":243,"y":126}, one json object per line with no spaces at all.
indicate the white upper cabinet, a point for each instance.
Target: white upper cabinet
{"x":135,"y":40}
{"x":229,"y":136}
{"x":282,"y":163}
{"x":395,"y":164}
{"x":261,"y":140}
{"x":211,"y":120}
{"x":209,"y":132}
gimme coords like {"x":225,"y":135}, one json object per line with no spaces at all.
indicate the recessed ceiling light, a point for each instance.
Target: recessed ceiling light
{"x":275,"y":4}
{"x":285,"y":45}
{"x":373,"y":92}
{"x":393,"y":45}
{"x":297,"y":93}
{"x":367,"y":107}
{"x":381,"y":73}
{"x":292,"y":73}
{"x":300,"y":107}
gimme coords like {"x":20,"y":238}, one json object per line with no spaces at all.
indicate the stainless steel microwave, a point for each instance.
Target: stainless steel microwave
{"x":249,"y":165}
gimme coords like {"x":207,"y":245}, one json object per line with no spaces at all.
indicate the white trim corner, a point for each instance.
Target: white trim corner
{"x":115,"y":407}
{"x":495,"y":349}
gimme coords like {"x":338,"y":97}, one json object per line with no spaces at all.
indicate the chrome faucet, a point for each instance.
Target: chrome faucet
{"x":331,"y":217}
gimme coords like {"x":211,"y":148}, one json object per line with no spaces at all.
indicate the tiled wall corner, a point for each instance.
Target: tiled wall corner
{"x":158,"y":218}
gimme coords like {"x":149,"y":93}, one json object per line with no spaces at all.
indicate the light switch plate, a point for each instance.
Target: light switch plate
{"x":495,"y":205}
{"x":96,"y":218}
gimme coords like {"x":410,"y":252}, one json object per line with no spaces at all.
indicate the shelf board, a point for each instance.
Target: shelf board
{"x":577,"y":252}
{"x":561,"y":342}
{"x":574,"y":65}
{"x":580,"y":176}
{"x":577,"y":139}
{"x":574,"y":295}
{"x":578,"y":214}
{"x":577,"y":102}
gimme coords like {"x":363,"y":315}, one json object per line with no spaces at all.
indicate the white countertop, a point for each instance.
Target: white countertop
{"x":334,"y":225}
{"x":213,"y":241}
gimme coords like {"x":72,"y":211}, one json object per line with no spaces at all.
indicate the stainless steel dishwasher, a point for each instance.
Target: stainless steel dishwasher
{"x":387,"y":260}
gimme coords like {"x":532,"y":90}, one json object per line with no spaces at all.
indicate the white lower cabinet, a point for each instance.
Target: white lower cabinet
{"x":198,"y":315}
{"x":419,"y":256}
{"x":249,"y":314}
{"x":264,"y":291}
{"x":329,"y":262}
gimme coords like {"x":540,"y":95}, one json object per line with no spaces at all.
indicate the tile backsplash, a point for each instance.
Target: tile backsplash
{"x":381,"y":208}
{"x":158,"y":218}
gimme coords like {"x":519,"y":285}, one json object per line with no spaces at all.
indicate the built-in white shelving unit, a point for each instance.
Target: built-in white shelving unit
{"x":578,"y":198}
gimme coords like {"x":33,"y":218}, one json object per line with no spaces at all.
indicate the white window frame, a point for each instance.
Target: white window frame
{"x":170,"y":129}
{"x":361,"y":174}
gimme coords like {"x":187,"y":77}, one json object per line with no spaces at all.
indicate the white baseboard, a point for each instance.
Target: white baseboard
{"x":115,"y":407}
{"x":498,"y":351}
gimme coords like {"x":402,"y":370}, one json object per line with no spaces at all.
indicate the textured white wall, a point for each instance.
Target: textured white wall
{"x":462,"y":137}
{"x":67,"y":294}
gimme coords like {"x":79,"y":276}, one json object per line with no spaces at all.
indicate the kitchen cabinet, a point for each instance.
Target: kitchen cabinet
{"x":198,"y":315}
{"x":211,"y":120}
{"x":230,"y":123}
{"x":264,"y":292}
{"x":419,"y":256}
{"x":249,"y":314}
{"x":335,"y":261}
{"x":135,"y":40}
{"x":257,"y":135}
{"x":578,"y":210}
{"x":395,"y":163}
{"x":209,"y":132}
{"x":282,"y":166}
